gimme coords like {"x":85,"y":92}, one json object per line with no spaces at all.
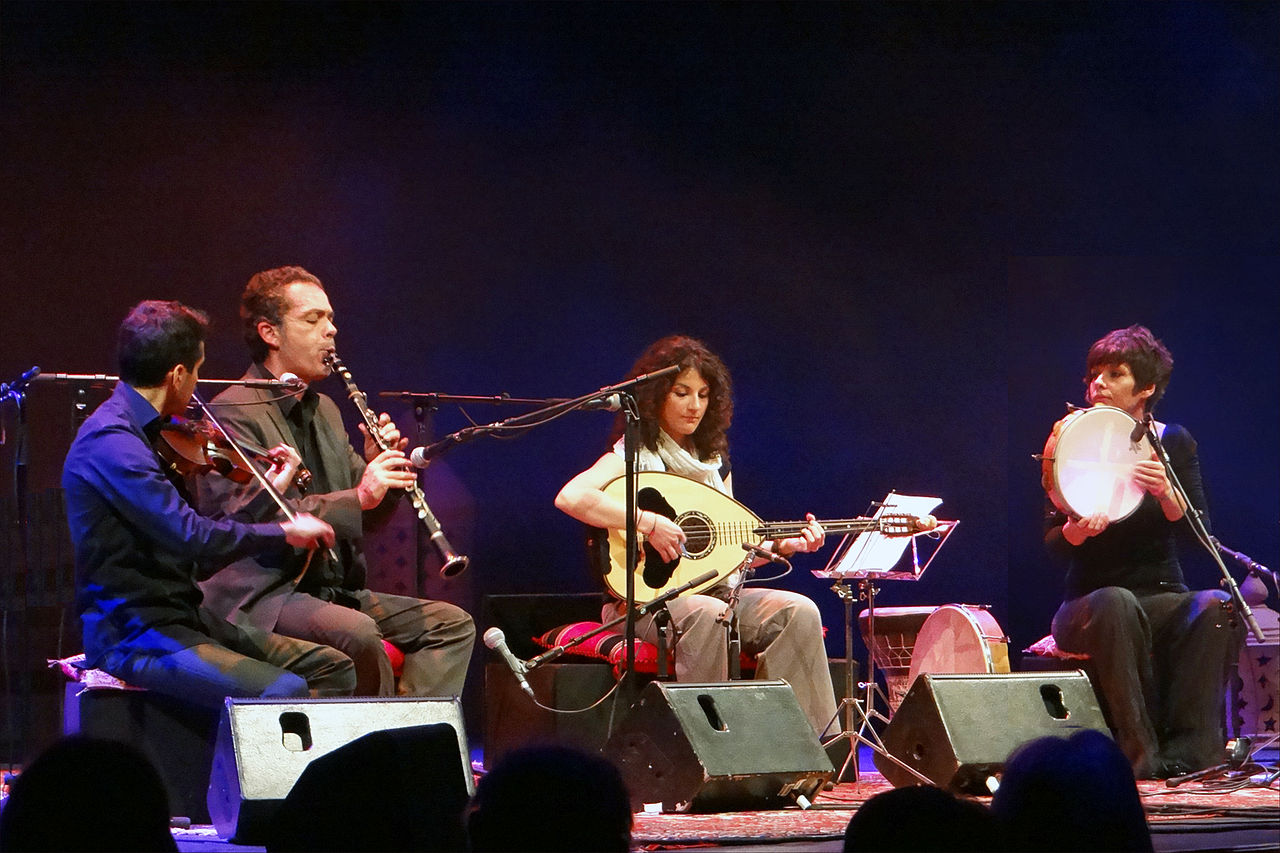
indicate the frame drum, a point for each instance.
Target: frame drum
{"x":1089,"y":461}
{"x":893,"y":645}
{"x":960,"y":639}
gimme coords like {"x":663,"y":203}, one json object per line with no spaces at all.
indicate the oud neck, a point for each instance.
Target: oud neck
{"x":831,"y":526}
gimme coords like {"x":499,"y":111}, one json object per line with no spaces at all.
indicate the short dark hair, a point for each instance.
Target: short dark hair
{"x":1076,"y":793}
{"x":1148,"y":359}
{"x":550,"y":797}
{"x":155,"y":336}
{"x":120,"y":800}
{"x":263,"y":299}
{"x":711,"y":437}
{"x":921,"y":817}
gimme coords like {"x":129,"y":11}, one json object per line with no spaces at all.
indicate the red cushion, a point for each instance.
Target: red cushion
{"x":606,"y":646}
{"x":397,"y":658}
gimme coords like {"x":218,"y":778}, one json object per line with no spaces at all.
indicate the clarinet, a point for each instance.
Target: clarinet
{"x":454,"y":563}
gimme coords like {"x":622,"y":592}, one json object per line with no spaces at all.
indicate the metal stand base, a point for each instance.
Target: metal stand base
{"x":861,"y":712}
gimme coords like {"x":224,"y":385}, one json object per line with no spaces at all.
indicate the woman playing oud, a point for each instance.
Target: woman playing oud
{"x":683,"y":420}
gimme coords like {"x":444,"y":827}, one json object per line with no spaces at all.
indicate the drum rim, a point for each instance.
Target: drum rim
{"x":987,"y":644}
{"x":1071,"y":421}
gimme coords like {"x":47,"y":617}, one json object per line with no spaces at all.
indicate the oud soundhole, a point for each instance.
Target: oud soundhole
{"x":700,"y":532}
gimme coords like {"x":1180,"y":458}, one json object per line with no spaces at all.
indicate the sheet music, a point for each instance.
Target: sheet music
{"x":872,"y":551}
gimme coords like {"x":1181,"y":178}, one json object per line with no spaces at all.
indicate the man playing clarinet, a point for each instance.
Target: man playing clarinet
{"x":289,"y":327}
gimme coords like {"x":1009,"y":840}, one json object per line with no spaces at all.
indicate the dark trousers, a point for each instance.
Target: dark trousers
{"x":435,"y":636}
{"x":1161,"y":663}
{"x":205,"y":667}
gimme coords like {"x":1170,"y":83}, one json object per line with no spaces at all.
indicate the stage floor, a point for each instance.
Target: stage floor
{"x":1191,"y":817}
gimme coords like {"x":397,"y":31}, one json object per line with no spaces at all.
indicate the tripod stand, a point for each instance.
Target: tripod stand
{"x":860,"y":711}
{"x":869,"y":557}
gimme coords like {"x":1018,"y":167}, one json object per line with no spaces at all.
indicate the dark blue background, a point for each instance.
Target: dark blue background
{"x":900,"y":224}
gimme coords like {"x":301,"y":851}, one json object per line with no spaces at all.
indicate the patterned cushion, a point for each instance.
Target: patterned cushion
{"x":608,"y":646}
{"x":1047,"y":647}
{"x":92,"y":679}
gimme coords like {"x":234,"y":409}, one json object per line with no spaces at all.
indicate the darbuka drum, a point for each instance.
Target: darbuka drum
{"x":1088,"y":463}
{"x":960,"y":638}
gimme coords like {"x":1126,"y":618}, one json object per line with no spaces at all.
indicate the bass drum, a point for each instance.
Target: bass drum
{"x":960,"y":638}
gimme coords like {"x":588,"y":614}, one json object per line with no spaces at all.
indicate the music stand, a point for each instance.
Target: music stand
{"x":867,"y":558}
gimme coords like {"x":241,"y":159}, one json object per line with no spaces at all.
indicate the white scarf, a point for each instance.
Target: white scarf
{"x":673,"y":458}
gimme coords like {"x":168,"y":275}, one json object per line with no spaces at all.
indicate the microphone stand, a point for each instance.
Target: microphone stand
{"x":1196,"y":520}
{"x":432,"y":400}
{"x":729,"y":618}
{"x":17,"y":392}
{"x":631,"y":450}
{"x":1251,"y":565}
{"x":528,"y":419}
{"x":103,"y":379}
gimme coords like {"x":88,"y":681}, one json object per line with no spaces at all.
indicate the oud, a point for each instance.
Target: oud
{"x":716,"y":527}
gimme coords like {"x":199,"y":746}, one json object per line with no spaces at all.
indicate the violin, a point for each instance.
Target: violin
{"x":196,"y":447}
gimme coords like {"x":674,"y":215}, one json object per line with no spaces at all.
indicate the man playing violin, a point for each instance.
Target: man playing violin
{"x":288,"y":325}
{"x":140,"y":546}
{"x":1159,"y":652}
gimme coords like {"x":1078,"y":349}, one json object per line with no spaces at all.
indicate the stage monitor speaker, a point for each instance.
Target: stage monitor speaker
{"x":718,"y":747}
{"x":957,"y":730}
{"x":264,"y":745}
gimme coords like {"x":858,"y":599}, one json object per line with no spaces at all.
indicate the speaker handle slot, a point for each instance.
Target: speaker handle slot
{"x":708,"y":704}
{"x":1052,"y":696}
{"x":295,"y":731}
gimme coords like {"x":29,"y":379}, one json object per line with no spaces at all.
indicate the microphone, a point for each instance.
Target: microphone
{"x":1140,"y":429}
{"x":608,"y":403}
{"x":420,"y":457}
{"x":764,"y":553}
{"x":291,"y":380}
{"x":275,"y":384}
{"x":1248,"y":563}
{"x":496,"y":640}
{"x":18,"y":385}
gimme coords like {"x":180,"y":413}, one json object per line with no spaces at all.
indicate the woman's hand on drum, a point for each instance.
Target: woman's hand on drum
{"x":1150,"y":476}
{"x":1079,"y":529}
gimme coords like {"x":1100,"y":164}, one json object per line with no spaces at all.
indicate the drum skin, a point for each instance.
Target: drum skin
{"x":1088,"y":461}
{"x":960,"y":639}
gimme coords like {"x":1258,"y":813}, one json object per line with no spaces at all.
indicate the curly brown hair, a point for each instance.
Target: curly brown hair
{"x":263,"y":299}
{"x":1148,"y":359}
{"x":711,"y":436}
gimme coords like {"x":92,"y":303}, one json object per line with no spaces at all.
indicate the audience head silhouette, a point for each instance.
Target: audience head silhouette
{"x":550,"y":798}
{"x":1074,"y":793}
{"x":392,"y":789}
{"x":87,"y":794}
{"x":921,"y":818}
